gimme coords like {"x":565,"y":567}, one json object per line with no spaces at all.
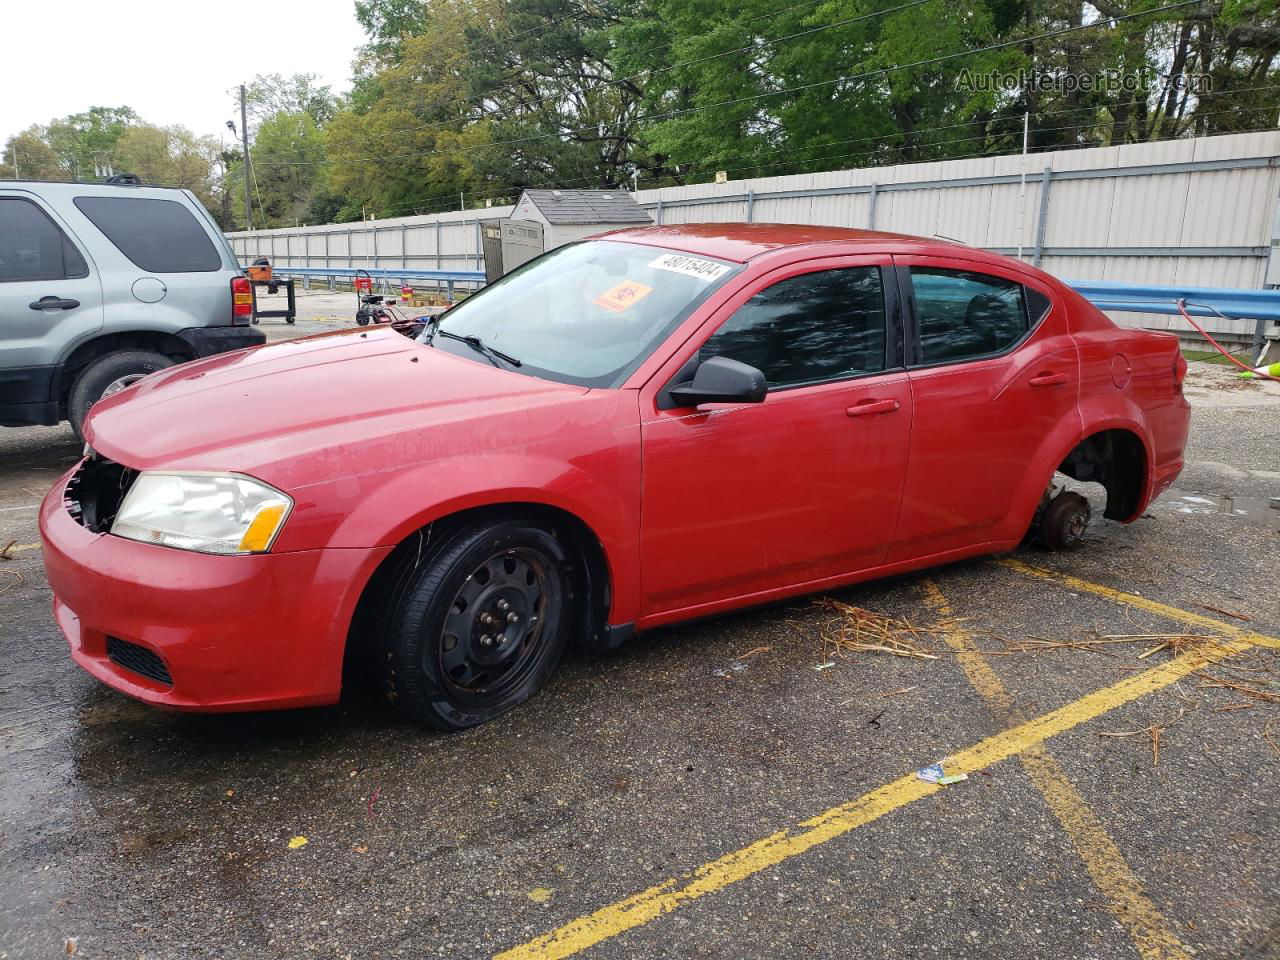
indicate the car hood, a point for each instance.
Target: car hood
{"x":251,"y":408}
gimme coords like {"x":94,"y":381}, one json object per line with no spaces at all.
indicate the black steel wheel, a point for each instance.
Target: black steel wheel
{"x":475,"y":624}
{"x":1064,"y":522}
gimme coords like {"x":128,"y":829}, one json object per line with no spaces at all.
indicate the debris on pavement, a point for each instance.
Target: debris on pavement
{"x":824,"y":666}
{"x":541,"y":894}
{"x":296,"y":842}
{"x":1179,"y":643}
{"x":932,"y":773}
{"x":899,"y":692}
{"x":1154,"y":732}
{"x":863,"y":631}
{"x":737,"y":666}
{"x":952,"y":778}
{"x":1225,"y":613}
{"x":15,"y":578}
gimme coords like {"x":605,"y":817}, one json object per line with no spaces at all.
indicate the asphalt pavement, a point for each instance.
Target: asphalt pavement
{"x":736,"y":788}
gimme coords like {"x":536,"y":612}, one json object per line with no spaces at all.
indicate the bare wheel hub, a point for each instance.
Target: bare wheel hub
{"x":493,"y":625}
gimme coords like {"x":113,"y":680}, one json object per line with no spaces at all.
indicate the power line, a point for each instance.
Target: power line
{"x":753,"y":98}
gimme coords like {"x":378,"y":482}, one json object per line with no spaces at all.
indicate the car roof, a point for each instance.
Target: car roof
{"x":741,"y":242}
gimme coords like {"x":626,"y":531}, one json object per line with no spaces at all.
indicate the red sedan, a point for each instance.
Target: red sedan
{"x":655,"y":425}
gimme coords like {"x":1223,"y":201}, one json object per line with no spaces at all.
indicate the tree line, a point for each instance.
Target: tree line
{"x":455,"y":103}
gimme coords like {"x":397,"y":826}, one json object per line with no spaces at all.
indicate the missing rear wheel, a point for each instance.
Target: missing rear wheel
{"x":1064,"y":522}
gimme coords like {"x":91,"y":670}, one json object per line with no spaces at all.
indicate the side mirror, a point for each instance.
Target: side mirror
{"x":721,"y":380}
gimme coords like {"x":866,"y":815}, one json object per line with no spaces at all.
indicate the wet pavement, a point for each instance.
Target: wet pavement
{"x":661,"y":803}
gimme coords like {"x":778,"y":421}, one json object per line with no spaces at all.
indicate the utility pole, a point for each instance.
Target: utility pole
{"x":1022,"y":188}
{"x":244,"y":140}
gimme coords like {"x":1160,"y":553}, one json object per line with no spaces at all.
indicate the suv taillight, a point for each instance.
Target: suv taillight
{"x":241,"y":300}
{"x":1179,"y":369}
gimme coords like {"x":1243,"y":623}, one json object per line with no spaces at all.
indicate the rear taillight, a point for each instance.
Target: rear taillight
{"x":241,"y":300}
{"x":1179,"y":369}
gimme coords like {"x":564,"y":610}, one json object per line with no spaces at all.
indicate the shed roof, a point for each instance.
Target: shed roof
{"x":585,"y":206}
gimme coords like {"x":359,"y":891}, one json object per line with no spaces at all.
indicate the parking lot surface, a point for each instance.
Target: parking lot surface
{"x":736,"y":788}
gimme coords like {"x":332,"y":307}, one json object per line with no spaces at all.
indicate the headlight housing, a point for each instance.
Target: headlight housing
{"x":209,"y":513}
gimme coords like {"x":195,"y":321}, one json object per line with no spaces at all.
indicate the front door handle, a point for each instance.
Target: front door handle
{"x":54,"y":303}
{"x":1048,"y":379}
{"x":867,"y":408}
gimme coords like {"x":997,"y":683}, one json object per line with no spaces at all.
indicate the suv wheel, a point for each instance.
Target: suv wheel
{"x":107,"y":375}
{"x":474,"y":625}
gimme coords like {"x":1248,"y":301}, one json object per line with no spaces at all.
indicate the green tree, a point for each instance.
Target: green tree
{"x":28,"y":156}
{"x":269,"y":94}
{"x":287,"y":154}
{"x":85,"y":141}
{"x":169,"y":156}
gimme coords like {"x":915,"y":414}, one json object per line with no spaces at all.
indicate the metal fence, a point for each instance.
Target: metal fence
{"x":1192,"y":213}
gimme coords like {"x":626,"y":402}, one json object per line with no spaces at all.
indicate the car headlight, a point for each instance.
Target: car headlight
{"x":208,"y":513}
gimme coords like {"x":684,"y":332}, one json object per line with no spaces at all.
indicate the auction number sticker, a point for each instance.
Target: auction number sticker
{"x":690,"y":266}
{"x":619,"y":298}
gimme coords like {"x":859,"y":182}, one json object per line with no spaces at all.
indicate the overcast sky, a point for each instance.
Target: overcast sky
{"x":173,"y":62}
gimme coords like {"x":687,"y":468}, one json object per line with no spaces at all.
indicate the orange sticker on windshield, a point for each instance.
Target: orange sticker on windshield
{"x":619,"y":298}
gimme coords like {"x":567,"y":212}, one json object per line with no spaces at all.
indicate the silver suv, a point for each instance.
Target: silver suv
{"x":101,"y":284}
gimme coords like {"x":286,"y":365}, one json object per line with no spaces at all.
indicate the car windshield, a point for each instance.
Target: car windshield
{"x":588,"y":313}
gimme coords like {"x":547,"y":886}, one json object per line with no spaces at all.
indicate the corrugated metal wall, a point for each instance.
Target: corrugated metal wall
{"x":1191,"y":212}
{"x":441,"y":241}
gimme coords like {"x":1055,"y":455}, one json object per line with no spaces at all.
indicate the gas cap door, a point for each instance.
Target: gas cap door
{"x":149,"y":289}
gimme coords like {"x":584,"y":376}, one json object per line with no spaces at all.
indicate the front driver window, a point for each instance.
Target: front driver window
{"x":810,"y":328}
{"x":964,"y":315}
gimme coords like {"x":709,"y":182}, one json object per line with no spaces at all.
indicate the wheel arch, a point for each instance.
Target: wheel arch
{"x":87,"y":351}
{"x":591,"y":572}
{"x":1119,"y":459}
{"x":1058,"y":448}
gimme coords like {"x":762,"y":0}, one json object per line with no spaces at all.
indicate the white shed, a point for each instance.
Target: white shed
{"x":568,"y":215}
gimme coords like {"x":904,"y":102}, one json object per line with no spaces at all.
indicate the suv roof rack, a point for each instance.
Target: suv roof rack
{"x":129,"y":180}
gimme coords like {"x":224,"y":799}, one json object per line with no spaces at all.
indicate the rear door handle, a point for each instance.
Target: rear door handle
{"x":1048,"y":379}
{"x":869,"y":407}
{"x":54,"y":303}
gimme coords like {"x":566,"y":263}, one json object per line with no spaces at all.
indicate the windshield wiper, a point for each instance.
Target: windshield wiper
{"x":491,"y":354}
{"x":429,"y":328}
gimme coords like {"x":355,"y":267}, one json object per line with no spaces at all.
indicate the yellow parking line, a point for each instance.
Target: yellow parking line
{"x":593,"y":928}
{"x":1142,"y":603}
{"x":1151,"y":932}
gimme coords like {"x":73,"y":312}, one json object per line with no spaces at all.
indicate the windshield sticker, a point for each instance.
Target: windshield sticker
{"x":690,"y":266}
{"x":622,"y":296}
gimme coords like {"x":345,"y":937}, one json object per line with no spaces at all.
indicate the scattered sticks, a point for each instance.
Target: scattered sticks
{"x":862,"y":631}
{"x":1154,"y":732}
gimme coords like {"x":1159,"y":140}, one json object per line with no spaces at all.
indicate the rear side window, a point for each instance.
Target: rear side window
{"x":963,"y":315}
{"x":827,"y":325}
{"x":32,"y":247}
{"x":160,"y":236}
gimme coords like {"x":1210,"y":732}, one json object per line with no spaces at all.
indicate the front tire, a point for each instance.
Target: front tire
{"x":105,"y":376}
{"x":474,"y":624}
